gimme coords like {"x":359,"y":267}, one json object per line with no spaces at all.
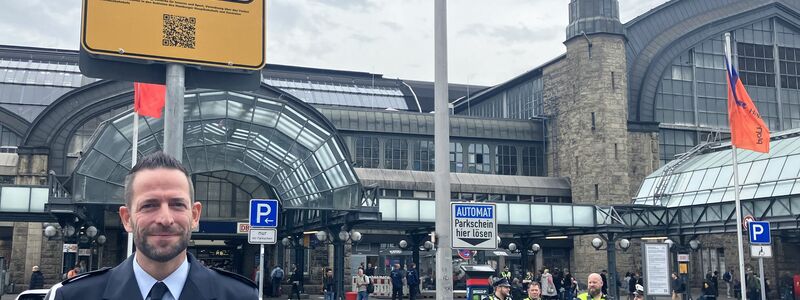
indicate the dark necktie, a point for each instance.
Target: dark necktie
{"x":157,"y":291}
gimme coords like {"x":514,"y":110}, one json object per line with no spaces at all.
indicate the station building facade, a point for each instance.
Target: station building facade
{"x":586,"y":127}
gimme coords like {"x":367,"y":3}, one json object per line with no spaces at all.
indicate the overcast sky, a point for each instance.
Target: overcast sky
{"x":488,"y":41}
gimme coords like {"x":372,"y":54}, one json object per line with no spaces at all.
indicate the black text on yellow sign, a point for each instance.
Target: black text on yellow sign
{"x":220,"y":33}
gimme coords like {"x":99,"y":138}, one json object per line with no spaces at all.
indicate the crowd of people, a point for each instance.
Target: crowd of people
{"x":545,"y":288}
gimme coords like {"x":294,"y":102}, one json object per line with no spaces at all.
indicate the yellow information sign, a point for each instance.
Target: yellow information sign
{"x":220,"y":33}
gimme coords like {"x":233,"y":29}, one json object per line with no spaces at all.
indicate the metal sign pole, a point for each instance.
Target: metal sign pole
{"x":444,"y":252}
{"x":761,"y":273}
{"x":173,"y":112}
{"x":261,"y":274}
{"x":134,"y":159}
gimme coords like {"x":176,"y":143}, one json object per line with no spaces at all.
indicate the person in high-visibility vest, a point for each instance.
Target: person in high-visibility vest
{"x":594,"y":291}
{"x":502,"y":290}
{"x":506,"y":274}
{"x":534,"y":291}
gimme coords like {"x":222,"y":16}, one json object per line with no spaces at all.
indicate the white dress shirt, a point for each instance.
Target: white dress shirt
{"x":174,"y":281}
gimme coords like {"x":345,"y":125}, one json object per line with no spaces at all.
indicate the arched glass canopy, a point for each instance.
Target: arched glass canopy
{"x":281,"y":142}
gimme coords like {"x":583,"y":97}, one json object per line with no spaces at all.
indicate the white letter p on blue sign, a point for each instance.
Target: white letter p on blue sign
{"x":759,"y":233}
{"x":264,"y":213}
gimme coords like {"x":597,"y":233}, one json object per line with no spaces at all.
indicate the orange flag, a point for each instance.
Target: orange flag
{"x":748,"y":130}
{"x":148,"y":99}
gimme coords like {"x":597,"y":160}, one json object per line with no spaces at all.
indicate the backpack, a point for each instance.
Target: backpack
{"x":279,"y":273}
{"x":370,"y":286}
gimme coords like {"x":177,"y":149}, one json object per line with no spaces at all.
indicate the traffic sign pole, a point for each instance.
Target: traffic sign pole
{"x":761,"y":274}
{"x":261,"y":274}
{"x":173,"y":113}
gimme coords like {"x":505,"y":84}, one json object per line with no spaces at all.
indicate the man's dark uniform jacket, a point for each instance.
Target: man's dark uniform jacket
{"x":120,"y":283}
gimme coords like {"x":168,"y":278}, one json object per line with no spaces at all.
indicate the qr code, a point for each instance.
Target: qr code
{"x":179,"y":31}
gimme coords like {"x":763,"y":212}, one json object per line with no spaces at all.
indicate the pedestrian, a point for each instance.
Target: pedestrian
{"x":715,"y":281}
{"x":74,"y":272}
{"x":412,"y":279}
{"x":753,"y":286}
{"x":276,"y":277}
{"x":708,"y":290}
{"x":397,"y":276}
{"x":328,"y":286}
{"x":604,"y":276}
{"x":638,"y":294}
{"x":159,"y":213}
{"x":370,"y":270}
{"x":569,"y":284}
{"x":297,"y":280}
{"x":594,"y":288}
{"x":37,"y":279}
{"x":727,"y":278}
{"x":362,"y":281}
{"x":502,"y":290}
{"x":517,"y":291}
{"x":506,"y":273}
{"x":535,"y":291}
{"x":557,"y":281}
{"x":626,"y":282}
{"x":548,"y":286}
{"x":678,"y":288}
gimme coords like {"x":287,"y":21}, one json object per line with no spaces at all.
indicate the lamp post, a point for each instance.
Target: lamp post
{"x":338,"y":252}
{"x":611,"y":251}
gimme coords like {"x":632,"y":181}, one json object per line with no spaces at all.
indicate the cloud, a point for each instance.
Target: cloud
{"x":489,"y":41}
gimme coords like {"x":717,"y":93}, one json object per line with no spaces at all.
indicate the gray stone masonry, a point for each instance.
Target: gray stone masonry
{"x":586,"y":102}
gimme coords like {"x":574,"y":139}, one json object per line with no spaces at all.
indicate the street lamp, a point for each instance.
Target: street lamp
{"x":321,"y":235}
{"x":512,"y":247}
{"x":535,"y":248}
{"x":597,"y":243}
{"x":694,"y":244}
{"x":670,"y":243}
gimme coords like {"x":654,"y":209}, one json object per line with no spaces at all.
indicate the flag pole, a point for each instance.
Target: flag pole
{"x":740,"y":243}
{"x":134,"y":158}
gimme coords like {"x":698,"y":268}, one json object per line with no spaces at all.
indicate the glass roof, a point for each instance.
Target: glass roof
{"x":341,"y":94}
{"x":708,"y":178}
{"x":298,"y":155}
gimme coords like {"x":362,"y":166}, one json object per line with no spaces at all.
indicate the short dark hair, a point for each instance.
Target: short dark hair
{"x":157,"y":160}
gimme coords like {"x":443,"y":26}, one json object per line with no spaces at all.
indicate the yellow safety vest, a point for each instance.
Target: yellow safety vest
{"x":585,"y":296}
{"x":506,"y":275}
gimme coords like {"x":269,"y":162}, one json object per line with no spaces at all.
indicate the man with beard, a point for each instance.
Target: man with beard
{"x":502,"y":290}
{"x":160,"y":213}
{"x":595,"y":288}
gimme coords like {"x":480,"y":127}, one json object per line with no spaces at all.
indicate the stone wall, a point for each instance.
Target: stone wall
{"x":586,"y":104}
{"x":643,"y":157}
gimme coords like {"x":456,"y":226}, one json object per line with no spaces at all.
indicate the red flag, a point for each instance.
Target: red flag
{"x":748,"y":130}
{"x":148,"y":99}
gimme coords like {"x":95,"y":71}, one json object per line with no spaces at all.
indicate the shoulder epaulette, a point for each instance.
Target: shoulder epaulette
{"x":236,"y":276}
{"x":86,"y":275}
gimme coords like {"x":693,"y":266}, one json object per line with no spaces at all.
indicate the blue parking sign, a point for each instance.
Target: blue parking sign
{"x":759,"y":232}
{"x":264,"y":213}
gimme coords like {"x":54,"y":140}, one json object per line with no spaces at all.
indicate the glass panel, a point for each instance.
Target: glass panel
{"x":15,"y":198}
{"x":427,"y":211}
{"x":709,"y":178}
{"x":756,"y":172}
{"x":112,"y":143}
{"x":583,"y":216}
{"x":783,"y":188}
{"x":502,"y":213}
{"x":765,"y":190}
{"x":564,"y":214}
{"x":407,"y":210}
{"x":694,"y":182}
{"x":724,"y":177}
{"x":541,"y":215}
{"x":39,"y":197}
{"x":519,"y":214}
{"x":791,"y":167}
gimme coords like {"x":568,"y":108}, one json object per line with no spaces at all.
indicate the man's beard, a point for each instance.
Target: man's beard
{"x":594,"y":291}
{"x":153,"y":252}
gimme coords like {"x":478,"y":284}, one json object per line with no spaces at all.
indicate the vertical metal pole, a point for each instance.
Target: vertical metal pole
{"x":338,"y":267}
{"x":611,"y":250}
{"x":444,"y":252}
{"x":261,"y":273}
{"x":738,"y":204}
{"x":134,"y":159}
{"x":763,"y":283}
{"x":173,"y":113}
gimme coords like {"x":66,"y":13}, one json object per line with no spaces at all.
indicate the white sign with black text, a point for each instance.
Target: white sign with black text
{"x":474,"y":226}
{"x":656,"y":269}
